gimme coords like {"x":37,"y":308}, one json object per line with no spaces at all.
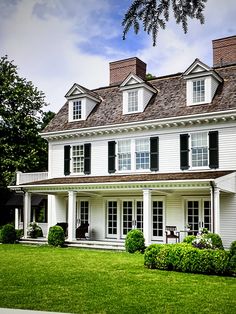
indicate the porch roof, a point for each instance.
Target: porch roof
{"x":150,"y":177}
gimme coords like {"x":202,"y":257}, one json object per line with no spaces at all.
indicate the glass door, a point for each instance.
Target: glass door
{"x":157,"y":220}
{"x":127,"y":217}
{"x":198,"y":215}
{"x":193,"y":216}
{"x":112,"y":219}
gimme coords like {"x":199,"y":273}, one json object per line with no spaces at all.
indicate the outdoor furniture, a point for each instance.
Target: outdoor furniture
{"x":81,"y":230}
{"x":64,"y":226}
{"x":172,"y":233}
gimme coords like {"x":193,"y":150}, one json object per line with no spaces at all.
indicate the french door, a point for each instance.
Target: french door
{"x":83,"y":213}
{"x":132,"y":216}
{"x":157,"y":220}
{"x":198,"y":214}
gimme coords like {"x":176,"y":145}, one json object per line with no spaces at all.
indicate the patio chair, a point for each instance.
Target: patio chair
{"x":81,"y":230}
{"x":172,"y":233}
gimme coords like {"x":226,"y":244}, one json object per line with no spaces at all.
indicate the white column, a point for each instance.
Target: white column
{"x":16,"y":218}
{"x":217,"y":210}
{"x":147,"y":204}
{"x":212,"y":211}
{"x":27,"y":206}
{"x":71,"y":215}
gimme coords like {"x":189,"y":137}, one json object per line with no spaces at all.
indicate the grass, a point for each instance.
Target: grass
{"x":86,"y":281}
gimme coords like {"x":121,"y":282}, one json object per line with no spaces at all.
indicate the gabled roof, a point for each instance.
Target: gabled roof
{"x":134,"y":81}
{"x":169,"y":102}
{"x":79,"y":90}
{"x":198,"y":68}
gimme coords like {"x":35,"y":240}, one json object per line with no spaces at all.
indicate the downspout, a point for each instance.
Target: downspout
{"x":213,"y":205}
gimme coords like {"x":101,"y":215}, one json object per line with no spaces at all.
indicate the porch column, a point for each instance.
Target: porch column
{"x":71,"y":215}
{"x":217,"y":210}
{"x":27,"y":206}
{"x":17,"y":218}
{"x":147,"y":201}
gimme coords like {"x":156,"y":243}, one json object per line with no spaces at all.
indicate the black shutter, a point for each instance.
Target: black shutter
{"x":67,"y":160}
{"x":184,"y":152}
{"x":154,"y":153}
{"x":112,"y":157}
{"x":87,"y":158}
{"x":213,"y":149}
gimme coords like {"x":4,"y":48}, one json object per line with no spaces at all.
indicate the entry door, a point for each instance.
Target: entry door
{"x":157,"y":220}
{"x":112,"y":212}
{"x":132,"y":216}
{"x":83,"y":212}
{"x":199,"y":215}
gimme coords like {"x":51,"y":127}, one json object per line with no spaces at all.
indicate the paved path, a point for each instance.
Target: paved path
{"x":15,"y":311}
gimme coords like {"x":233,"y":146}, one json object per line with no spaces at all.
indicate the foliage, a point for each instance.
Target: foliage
{"x":34,"y":230}
{"x":61,"y":277}
{"x":216,"y":240}
{"x":149,"y":76}
{"x":202,"y":242}
{"x":233,"y":248}
{"x":56,"y":236}
{"x":185,"y":258}
{"x":189,"y":239}
{"x":134,"y":241}
{"x":19,"y":234}
{"x":21,"y":120}
{"x":8,"y":234}
{"x":154,"y":14}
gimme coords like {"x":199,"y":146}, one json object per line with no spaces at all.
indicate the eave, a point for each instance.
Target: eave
{"x":157,"y":124}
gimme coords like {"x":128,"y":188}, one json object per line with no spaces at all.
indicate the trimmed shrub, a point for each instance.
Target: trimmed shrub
{"x":56,"y":236}
{"x":19,"y":234}
{"x":202,"y":241}
{"x":150,"y":255}
{"x":216,"y":240}
{"x":185,"y":258}
{"x":34,"y":230}
{"x":8,"y":234}
{"x":233,"y":248}
{"x":189,"y":239}
{"x":134,"y":241}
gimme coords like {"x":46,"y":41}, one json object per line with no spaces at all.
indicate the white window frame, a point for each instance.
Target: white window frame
{"x":71,"y":113}
{"x":191,"y":150}
{"x":197,"y":95}
{"x":132,"y":105}
{"x":79,"y":156}
{"x":77,"y":110}
{"x":133,"y":155}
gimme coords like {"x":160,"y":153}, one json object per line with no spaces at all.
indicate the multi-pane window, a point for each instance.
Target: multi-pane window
{"x":77,"y":110}
{"x":133,"y":101}
{"x":139,"y":221}
{"x":198,"y":91}
{"x":199,"y":146}
{"x":157,"y":218}
{"x":84,"y":212}
{"x":78,"y":158}
{"x":142,"y":151}
{"x":124,"y":155}
{"x":112,"y":217}
{"x":127,"y":216}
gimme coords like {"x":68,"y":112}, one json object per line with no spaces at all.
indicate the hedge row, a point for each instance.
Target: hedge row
{"x":186,"y":258}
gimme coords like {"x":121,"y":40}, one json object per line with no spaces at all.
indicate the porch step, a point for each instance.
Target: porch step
{"x":39,"y":241}
{"x":99,"y":245}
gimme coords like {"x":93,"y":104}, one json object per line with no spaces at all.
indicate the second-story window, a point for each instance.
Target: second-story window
{"x":124,"y":155}
{"x":198,"y":91}
{"x":77,"y":110}
{"x":142,"y":151}
{"x":78,"y":158}
{"x":133,"y":101}
{"x":199,"y":148}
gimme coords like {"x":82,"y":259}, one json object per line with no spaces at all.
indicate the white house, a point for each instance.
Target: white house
{"x":144,"y":154}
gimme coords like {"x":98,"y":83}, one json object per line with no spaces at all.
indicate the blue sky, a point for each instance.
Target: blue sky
{"x":56,"y":43}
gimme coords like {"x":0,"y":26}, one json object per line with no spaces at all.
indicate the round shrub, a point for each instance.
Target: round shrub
{"x":215,"y":240}
{"x":233,"y":248}
{"x":34,"y":230}
{"x":8,"y":234}
{"x":189,"y":239}
{"x":232,"y":265}
{"x":56,"y":236}
{"x":150,"y":255}
{"x":134,"y":241}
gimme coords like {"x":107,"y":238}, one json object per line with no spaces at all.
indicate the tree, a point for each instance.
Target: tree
{"x":21,"y":120}
{"x":155,"y":13}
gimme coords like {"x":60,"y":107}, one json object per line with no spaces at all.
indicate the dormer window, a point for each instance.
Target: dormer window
{"x":198,"y":91}
{"x":201,"y":83}
{"x":136,"y":94}
{"x":132,"y":101}
{"x":77,"y":110}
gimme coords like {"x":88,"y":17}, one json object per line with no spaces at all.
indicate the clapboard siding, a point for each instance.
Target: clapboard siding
{"x":228,"y":219}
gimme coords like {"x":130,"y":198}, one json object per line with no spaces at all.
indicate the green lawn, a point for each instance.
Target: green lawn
{"x":87,"y":281}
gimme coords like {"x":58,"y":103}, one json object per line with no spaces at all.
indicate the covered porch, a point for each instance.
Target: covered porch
{"x":113,"y":205}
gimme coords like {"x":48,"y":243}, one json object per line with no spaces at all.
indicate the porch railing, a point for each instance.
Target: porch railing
{"x":22,"y":178}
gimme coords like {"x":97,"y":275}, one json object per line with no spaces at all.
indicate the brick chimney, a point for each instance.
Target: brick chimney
{"x":119,"y":70}
{"x":224,"y":51}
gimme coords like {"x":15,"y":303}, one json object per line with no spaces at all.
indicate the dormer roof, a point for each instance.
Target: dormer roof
{"x":78,"y":91}
{"x":134,"y":81}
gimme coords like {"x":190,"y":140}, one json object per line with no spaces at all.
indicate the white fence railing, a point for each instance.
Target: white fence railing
{"x":22,"y":178}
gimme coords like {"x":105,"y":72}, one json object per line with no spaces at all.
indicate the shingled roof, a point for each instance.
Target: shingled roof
{"x":170,"y":101}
